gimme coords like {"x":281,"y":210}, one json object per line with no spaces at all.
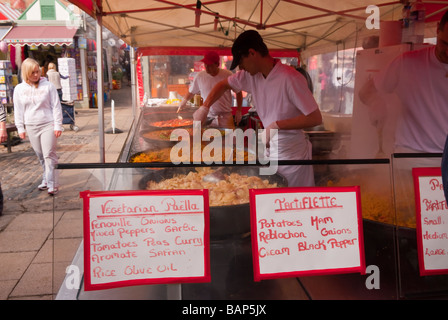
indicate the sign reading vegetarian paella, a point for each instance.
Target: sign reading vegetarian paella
{"x":432,"y":221}
{"x":145,"y":237}
{"x":306,"y":231}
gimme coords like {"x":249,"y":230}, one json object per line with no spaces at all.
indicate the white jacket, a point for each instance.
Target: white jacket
{"x":55,"y":78}
{"x":35,"y":106}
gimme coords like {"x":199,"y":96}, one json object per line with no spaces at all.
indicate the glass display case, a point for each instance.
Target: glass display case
{"x":388,"y":211}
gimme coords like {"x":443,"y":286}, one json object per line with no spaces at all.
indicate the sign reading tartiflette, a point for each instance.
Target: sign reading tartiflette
{"x":306,"y":231}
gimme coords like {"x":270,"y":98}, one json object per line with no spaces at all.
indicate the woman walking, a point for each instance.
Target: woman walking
{"x":55,"y":78}
{"x":38,"y":113}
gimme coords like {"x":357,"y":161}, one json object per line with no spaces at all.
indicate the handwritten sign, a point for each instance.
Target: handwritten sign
{"x":145,"y":237}
{"x":306,"y":231}
{"x":432,"y":221}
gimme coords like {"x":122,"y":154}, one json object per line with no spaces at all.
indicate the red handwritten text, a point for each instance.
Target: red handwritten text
{"x":306,"y":203}
{"x":435,"y":205}
{"x":110,"y":208}
{"x":435,"y":184}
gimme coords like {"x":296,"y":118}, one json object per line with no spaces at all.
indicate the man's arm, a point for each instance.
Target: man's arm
{"x":376,"y":106}
{"x":239,"y":107}
{"x":182,"y":105}
{"x":301,"y":122}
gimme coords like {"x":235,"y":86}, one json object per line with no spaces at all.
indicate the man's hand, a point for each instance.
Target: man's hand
{"x":182,"y":106}
{"x":270,"y":131}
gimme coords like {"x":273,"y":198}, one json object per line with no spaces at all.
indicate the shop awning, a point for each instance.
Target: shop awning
{"x":41,"y":35}
{"x":4,"y":31}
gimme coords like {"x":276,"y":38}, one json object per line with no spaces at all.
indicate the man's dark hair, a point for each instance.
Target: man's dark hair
{"x":249,"y":39}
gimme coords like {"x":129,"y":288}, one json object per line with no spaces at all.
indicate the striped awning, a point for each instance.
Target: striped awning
{"x":8,"y":13}
{"x":40,"y":35}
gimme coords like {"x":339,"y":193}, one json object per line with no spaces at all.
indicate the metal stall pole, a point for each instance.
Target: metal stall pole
{"x":100,"y":98}
{"x":133,"y":64}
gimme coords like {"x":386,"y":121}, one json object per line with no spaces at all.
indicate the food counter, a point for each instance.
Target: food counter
{"x":390,"y":243}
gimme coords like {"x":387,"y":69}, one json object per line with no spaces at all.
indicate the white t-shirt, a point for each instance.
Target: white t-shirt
{"x":282,"y":95}
{"x":35,"y":106}
{"x":203,"y":83}
{"x":419,"y":79}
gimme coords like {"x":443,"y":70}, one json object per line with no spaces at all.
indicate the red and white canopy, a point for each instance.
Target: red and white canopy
{"x":284,"y":24}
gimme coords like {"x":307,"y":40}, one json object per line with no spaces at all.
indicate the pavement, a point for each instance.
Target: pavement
{"x":40,"y":234}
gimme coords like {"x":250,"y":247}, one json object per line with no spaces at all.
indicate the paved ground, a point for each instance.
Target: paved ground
{"x":39,"y":234}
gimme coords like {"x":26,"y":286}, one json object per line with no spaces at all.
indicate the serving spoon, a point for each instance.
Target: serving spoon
{"x":215,"y":176}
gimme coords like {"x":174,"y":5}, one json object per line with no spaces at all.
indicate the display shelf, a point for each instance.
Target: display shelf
{"x":67,"y":67}
{"x":6,"y":85}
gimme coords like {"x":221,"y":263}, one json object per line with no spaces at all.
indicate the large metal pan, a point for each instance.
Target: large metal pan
{"x":159,"y":138}
{"x":163,"y":155}
{"x":225,"y":221}
{"x":160,"y":114}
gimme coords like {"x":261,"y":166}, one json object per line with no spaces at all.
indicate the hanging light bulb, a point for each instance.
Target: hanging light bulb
{"x":197,"y":21}
{"x":216,"y":23}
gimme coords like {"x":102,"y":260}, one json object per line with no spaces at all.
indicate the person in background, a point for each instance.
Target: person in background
{"x":420,"y":80}
{"x":221,"y":110}
{"x":3,"y":138}
{"x":55,"y":78}
{"x":305,"y":73}
{"x":283,"y":100}
{"x":3,"y":133}
{"x":38,"y":113}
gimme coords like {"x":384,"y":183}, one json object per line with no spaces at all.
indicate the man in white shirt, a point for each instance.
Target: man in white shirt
{"x":420,"y":80}
{"x":203,"y":83}
{"x":283,"y":102}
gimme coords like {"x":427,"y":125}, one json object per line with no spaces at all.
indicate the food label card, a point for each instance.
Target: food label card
{"x":432,"y":221}
{"x":306,"y":231}
{"x":145,"y":237}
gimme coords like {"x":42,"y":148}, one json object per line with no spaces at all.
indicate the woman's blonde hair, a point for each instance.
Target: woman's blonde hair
{"x":28,"y":66}
{"x":51,"y":66}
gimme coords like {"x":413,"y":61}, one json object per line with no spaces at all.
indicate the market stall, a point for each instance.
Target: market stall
{"x":387,"y":230}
